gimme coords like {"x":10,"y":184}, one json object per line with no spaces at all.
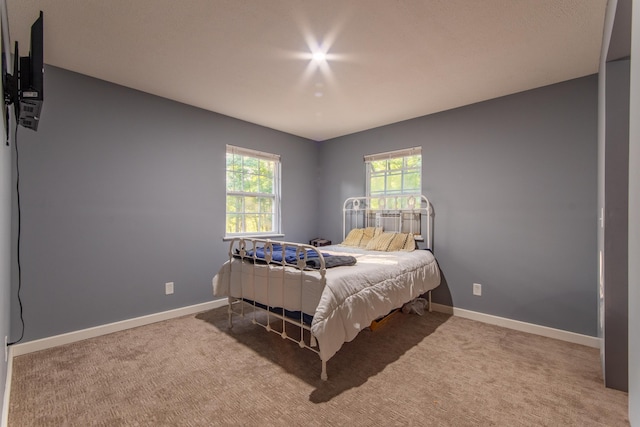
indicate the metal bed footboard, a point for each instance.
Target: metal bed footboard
{"x":246,"y":250}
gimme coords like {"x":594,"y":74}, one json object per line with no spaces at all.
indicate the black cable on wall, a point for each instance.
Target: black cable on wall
{"x":15,"y":144}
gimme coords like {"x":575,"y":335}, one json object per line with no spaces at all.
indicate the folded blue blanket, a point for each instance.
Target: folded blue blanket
{"x":331,"y":261}
{"x":289,"y":254}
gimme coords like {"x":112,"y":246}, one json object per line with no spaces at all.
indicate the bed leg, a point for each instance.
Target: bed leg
{"x":430,"y":302}
{"x":323,"y":374}
{"x":230,"y":312}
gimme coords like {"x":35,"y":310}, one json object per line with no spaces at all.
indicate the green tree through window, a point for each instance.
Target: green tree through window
{"x":395,"y":173}
{"x":253,"y":187}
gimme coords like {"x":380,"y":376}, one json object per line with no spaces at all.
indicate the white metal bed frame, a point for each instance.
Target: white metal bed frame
{"x":393,"y":213}
{"x":410,"y":213}
{"x":246,"y":249}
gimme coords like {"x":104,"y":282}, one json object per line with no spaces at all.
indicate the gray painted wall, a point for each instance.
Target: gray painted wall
{"x":513,"y":183}
{"x":616,"y":180}
{"x":634,"y":225}
{"x":123,"y":191}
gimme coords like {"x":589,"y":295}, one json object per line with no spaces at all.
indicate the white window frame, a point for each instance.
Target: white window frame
{"x":392,"y":155}
{"x":275,"y":195}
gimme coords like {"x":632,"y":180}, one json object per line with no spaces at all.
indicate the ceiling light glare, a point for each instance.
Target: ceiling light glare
{"x":319,"y":57}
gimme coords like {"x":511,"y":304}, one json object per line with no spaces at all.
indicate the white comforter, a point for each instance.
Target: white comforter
{"x":352,"y":298}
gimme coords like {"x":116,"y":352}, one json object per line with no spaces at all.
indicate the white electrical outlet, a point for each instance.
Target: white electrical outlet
{"x":168,"y":288}
{"x":477,"y":289}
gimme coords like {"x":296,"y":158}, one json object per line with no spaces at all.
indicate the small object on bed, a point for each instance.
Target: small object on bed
{"x":331,"y":261}
{"x":317,"y":242}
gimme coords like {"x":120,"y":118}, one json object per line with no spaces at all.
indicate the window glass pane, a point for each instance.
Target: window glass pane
{"x":251,"y":223}
{"x":234,"y":162}
{"x":412,"y":182}
{"x":266,"y":168}
{"x":252,"y":184}
{"x":395,"y":176}
{"x":266,"y":184}
{"x":234,"y":204}
{"x":234,"y":181}
{"x":413,"y":161}
{"x":266,"y":205}
{"x":378,"y":165}
{"x":250,"y":165}
{"x":396,"y":163}
{"x":234,"y":223}
{"x":251,"y":204}
{"x":394,"y":182}
{"x":266,"y":222}
{"x":377,"y":184}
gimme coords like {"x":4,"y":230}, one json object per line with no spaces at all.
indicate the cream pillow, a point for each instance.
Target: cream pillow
{"x":390,"y":242}
{"x":354,"y":237}
{"x":368,"y":234}
{"x":409,"y":243}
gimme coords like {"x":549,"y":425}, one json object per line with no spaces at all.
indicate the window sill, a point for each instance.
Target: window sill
{"x":253,"y":236}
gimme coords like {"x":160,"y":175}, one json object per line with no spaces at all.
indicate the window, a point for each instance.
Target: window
{"x":394,"y":173}
{"x":253,"y":192}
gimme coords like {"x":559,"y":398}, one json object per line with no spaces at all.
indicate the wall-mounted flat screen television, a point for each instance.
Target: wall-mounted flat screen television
{"x":24,"y":89}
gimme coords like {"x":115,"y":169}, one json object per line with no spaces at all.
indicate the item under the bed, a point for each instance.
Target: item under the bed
{"x":294,"y":315}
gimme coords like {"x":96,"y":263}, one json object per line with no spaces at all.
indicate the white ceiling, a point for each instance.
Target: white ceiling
{"x":388,"y":60}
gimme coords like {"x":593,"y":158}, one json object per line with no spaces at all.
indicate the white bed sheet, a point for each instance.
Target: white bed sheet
{"x":352,"y":298}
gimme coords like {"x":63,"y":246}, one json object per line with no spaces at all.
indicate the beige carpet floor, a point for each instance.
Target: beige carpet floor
{"x":431,"y":370}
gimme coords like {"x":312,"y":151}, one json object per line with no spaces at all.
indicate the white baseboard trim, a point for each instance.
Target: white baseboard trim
{"x":70,"y":337}
{"x":4,"y":422}
{"x":517,"y":325}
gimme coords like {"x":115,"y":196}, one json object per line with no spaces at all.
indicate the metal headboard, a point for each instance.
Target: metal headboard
{"x":407,"y":213}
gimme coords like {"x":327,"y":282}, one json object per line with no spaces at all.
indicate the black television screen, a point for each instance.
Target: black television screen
{"x":31,"y":82}
{"x":10,"y":85}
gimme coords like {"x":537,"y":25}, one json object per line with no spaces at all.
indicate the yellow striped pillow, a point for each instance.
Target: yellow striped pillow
{"x":354,"y":237}
{"x":368,"y":234}
{"x":390,"y":242}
